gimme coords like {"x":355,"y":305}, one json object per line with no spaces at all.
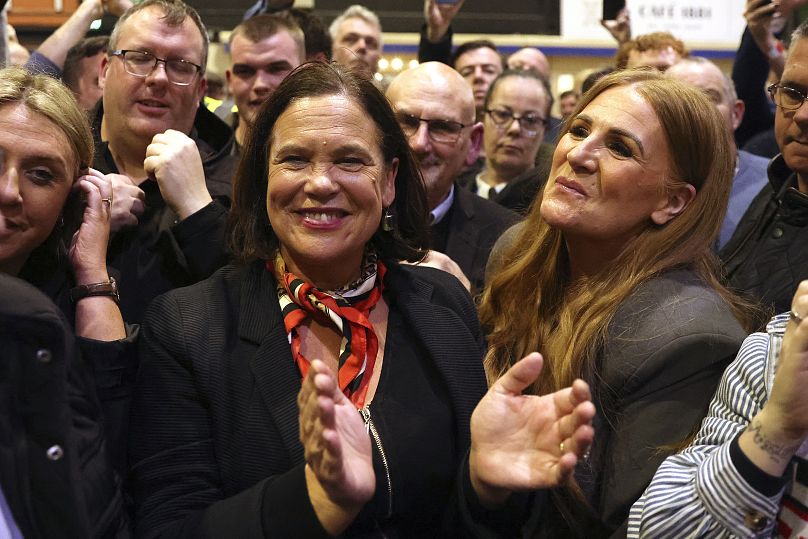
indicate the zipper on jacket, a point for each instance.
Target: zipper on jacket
{"x":371,"y":428}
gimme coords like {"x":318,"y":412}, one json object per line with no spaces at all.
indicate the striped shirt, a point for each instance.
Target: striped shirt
{"x":700,"y":492}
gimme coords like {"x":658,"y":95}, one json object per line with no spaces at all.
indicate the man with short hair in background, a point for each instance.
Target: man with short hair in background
{"x":263,"y":50}
{"x":750,"y":170}
{"x":357,"y":39}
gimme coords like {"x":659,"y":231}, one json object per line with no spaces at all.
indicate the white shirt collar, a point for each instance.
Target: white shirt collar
{"x":442,"y":209}
{"x":483,"y":188}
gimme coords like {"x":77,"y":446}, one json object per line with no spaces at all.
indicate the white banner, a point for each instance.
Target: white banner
{"x":717,"y":23}
{"x":701,"y":21}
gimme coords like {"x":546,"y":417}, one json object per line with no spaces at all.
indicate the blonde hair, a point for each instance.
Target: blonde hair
{"x":567,"y":322}
{"x":50,"y":98}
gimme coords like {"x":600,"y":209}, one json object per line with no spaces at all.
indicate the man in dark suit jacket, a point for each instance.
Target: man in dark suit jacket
{"x":435,"y":108}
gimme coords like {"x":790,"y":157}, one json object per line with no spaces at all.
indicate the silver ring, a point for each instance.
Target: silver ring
{"x":795,"y":317}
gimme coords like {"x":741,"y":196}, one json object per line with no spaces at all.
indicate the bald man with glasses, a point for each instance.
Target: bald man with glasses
{"x":435,"y":108}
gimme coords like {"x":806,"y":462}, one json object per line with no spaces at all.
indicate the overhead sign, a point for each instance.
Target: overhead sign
{"x":716,"y":23}
{"x":720,"y":22}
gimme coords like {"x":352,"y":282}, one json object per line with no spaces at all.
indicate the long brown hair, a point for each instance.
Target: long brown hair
{"x":567,"y":322}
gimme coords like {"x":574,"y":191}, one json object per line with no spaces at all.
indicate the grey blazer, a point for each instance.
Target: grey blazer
{"x":667,"y":346}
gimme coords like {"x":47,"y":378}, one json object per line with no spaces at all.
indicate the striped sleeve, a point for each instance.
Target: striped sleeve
{"x":700,"y":492}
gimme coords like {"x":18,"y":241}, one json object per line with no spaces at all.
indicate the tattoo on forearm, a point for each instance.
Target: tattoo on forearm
{"x":779,"y":452}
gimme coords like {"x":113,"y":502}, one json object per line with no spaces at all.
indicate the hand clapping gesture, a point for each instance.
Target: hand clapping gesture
{"x":518,"y":442}
{"x":339,"y":462}
{"x":525,"y":442}
{"x":777,"y":431}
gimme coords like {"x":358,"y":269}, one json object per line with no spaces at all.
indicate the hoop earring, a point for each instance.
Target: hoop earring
{"x":387,"y":220}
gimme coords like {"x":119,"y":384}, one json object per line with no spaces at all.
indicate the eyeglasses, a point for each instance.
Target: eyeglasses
{"x":445,"y":131}
{"x":530,"y":123}
{"x":141,"y":64}
{"x":787,"y":98}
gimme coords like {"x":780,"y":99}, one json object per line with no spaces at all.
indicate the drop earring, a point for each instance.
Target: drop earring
{"x":387,"y":220}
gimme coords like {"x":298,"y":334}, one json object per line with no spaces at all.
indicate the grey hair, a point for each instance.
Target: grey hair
{"x":355,"y":11}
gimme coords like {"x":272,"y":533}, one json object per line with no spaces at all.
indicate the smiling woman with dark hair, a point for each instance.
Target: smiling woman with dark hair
{"x":319,"y":386}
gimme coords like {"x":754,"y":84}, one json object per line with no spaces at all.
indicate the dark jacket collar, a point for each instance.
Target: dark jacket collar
{"x":277,"y":376}
{"x":779,"y":173}
{"x":792,"y":203}
{"x":213,"y":136}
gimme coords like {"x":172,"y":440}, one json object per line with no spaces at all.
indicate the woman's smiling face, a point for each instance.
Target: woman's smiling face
{"x":607,"y":182}
{"x":327,"y":186}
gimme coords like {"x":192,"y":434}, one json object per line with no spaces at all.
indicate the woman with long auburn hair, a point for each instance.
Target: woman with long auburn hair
{"x":612,"y":279}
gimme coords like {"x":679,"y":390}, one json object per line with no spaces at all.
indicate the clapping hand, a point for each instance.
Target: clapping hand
{"x":787,"y":409}
{"x":339,"y":463}
{"x":526,"y":442}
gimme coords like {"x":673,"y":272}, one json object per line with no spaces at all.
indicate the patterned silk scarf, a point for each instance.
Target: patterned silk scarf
{"x":347,"y":309}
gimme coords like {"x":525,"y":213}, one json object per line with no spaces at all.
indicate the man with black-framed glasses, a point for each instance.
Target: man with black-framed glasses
{"x":170,"y":158}
{"x":767,"y":256}
{"x":435,"y":108}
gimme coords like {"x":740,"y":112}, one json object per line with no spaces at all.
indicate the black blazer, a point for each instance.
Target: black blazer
{"x":475,"y":226}
{"x":214,"y":434}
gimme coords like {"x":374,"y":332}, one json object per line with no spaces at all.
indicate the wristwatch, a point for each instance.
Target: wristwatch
{"x":109,"y":288}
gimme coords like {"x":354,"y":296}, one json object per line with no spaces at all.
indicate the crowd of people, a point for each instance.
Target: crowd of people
{"x":318,"y":305}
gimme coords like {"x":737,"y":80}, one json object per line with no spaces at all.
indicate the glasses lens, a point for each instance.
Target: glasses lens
{"x":409,"y":124}
{"x":790,"y":98}
{"x":180,"y":71}
{"x":501,"y":116}
{"x":138,"y":63}
{"x":444,"y":131}
{"x":531,"y":122}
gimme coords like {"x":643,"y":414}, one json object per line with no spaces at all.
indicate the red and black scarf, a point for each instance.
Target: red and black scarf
{"x":346,"y":309}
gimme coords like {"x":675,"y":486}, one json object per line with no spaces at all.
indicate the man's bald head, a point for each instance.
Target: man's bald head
{"x":530,"y":58}
{"x":441,"y":82}
{"x":716,"y":85}
{"x":448,"y":139}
